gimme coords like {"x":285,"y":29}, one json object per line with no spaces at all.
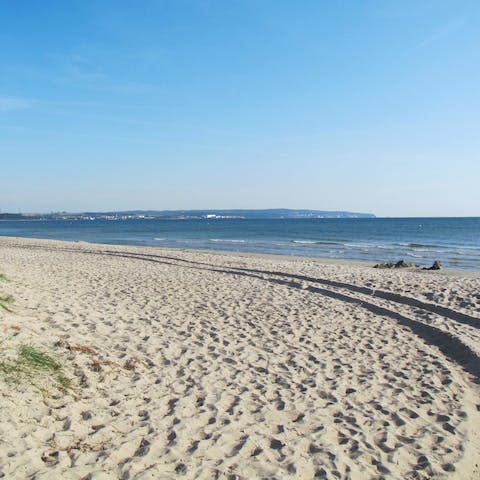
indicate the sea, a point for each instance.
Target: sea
{"x":455,"y":242}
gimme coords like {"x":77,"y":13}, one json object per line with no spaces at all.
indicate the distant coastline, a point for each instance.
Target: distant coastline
{"x":273,"y":213}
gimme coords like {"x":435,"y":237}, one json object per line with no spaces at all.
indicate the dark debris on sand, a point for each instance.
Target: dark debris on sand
{"x":403,"y":264}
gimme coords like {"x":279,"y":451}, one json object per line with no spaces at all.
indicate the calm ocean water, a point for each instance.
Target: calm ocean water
{"x":453,"y":241}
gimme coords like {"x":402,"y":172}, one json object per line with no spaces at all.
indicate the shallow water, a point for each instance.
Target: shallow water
{"x":453,"y":241}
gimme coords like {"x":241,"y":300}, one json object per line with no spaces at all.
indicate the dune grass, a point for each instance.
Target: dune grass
{"x":29,"y":364}
{"x":6,"y":300}
{"x":34,"y":366}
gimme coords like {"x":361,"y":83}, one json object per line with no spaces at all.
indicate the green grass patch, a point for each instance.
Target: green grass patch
{"x":36,"y":367}
{"x":6,"y":300}
{"x":3,"y":278}
{"x":35,"y":358}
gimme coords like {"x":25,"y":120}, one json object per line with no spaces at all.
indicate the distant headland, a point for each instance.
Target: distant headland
{"x":273,"y":213}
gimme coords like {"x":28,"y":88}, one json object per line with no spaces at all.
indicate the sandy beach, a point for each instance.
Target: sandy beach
{"x":205,"y":365}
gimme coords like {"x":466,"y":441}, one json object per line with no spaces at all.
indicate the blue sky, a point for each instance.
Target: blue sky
{"x":368,"y":105}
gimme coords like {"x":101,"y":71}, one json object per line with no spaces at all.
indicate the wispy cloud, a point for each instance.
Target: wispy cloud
{"x":123,"y":139}
{"x":8,"y":104}
{"x":79,"y":71}
{"x":77,"y":74}
{"x":447,"y":30}
{"x":76,"y":68}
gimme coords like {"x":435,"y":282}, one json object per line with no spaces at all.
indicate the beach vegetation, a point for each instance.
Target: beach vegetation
{"x":6,"y":300}
{"x":86,"y":350}
{"x":33,"y":365}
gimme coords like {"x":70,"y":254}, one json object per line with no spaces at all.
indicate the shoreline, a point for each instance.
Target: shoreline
{"x":201,"y":363}
{"x":448,"y":240}
{"x":272,"y":256}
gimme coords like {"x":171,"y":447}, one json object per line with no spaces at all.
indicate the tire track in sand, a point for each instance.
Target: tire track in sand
{"x":449,"y":344}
